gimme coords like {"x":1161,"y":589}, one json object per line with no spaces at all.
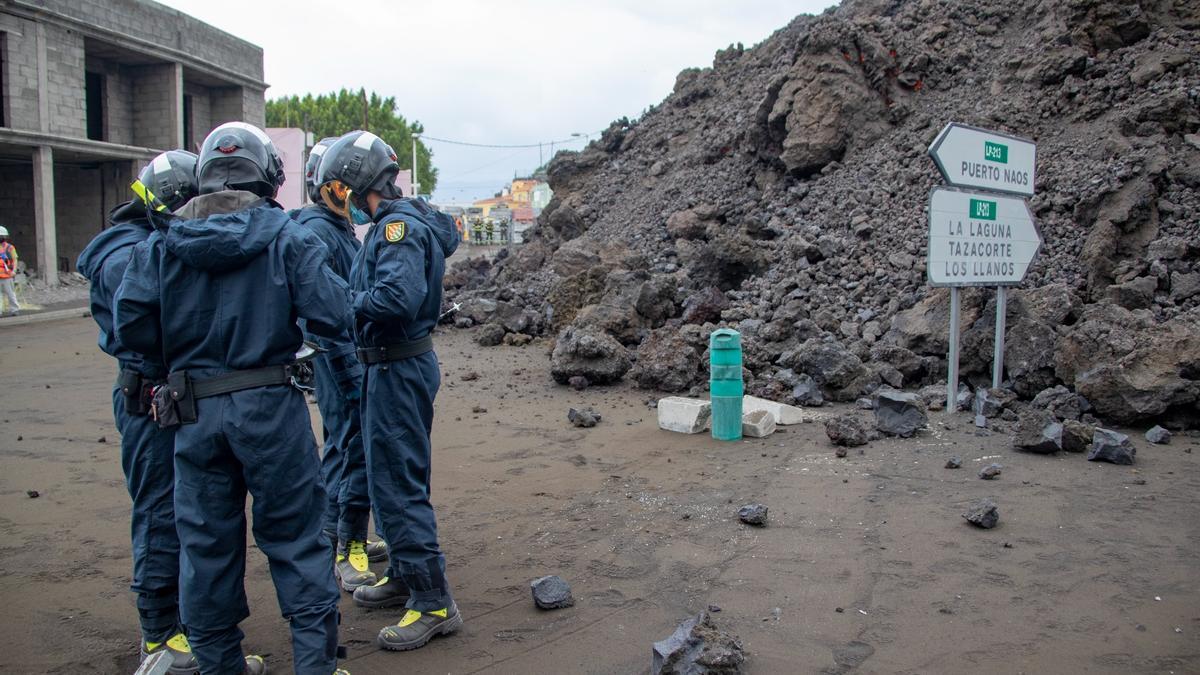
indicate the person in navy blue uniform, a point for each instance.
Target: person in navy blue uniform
{"x":338,"y":380}
{"x":147,"y":451}
{"x":397,"y":290}
{"x":219,"y":291}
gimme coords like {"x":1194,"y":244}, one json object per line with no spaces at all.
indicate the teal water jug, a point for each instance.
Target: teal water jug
{"x":725,"y":383}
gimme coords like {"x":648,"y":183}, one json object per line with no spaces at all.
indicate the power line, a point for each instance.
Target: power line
{"x":522,"y":145}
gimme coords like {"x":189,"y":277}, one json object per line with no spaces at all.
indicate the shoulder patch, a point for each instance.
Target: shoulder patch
{"x":395,"y":231}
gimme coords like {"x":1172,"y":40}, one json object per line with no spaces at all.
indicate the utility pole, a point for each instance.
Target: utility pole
{"x":366,"y":121}
{"x":416,"y":185}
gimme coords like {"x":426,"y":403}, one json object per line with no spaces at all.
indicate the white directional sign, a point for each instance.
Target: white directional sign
{"x":970,"y":157}
{"x":979,"y":239}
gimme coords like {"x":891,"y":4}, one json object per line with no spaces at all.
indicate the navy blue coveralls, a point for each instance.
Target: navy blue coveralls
{"x":397,"y":284}
{"x":222,"y":290}
{"x":147,"y":452}
{"x":338,"y":378}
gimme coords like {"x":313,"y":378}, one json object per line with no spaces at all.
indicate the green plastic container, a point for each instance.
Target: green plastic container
{"x":725,"y":383}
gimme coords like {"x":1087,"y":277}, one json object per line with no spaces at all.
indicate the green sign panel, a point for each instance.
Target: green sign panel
{"x":995,"y":152}
{"x":981,"y":209}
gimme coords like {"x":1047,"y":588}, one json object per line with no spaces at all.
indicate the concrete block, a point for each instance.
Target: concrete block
{"x":783,"y":413}
{"x":684,"y":415}
{"x":758,"y":424}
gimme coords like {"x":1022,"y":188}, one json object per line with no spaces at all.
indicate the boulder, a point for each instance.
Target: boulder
{"x":1038,"y":432}
{"x":1158,"y":435}
{"x":1184,"y":286}
{"x":1061,"y":402}
{"x":1130,"y":367}
{"x":666,"y":361}
{"x":847,"y":430}
{"x":828,"y":363}
{"x":684,"y":415}
{"x":704,"y":306}
{"x":1111,"y":446}
{"x":991,"y":402}
{"x":899,"y":414}
{"x":1134,"y":294}
{"x":807,"y":392}
{"x":983,"y":513}
{"x":489,"y":335}
{"x":587,"y":353}
{"x":698,"y":647}
{"x":783,"y":413}
{"x":758,"y":424}
{"x":1077,"y":436}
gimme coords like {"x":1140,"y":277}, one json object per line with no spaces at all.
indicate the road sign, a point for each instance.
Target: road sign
{"x":979,"y":238}
{"x":978,"y":158}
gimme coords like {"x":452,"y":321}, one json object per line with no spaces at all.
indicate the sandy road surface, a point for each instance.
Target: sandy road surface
{"x":643,"y":524}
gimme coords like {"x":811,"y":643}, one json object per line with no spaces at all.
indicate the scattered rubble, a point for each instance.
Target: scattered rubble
{"x":1111,"y":446}
{"x":982,"y":513}
{"x":847,"y":429}
{"x":551,"y":592}
{"x":899,"y":414}
{"x":990,"y":471}
{"x":758,"y":424}
{"x":1158,"y":435}
{"x":684,"y":415}
{"x":753,"y":514}
{"x":585,"y":418}
{"x":698,"y":647}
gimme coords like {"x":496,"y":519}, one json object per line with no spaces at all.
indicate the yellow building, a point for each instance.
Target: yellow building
{"x":522,"y":190}
{"x":493,"y":202}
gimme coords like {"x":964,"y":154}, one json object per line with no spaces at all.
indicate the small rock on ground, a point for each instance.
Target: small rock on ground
{"x":753,"y":514}
{"x":1158,"y":435}
{"x":983,"y":513}
{"x":698,"y":647}
{"x":1111,"y":446}
{"x":990,"y":471}
{"x":954,"y":462}
{"x":551,"y":592}
{"x":585,"y":418}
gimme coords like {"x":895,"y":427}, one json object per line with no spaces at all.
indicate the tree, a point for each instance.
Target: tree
{"x":337,"y":113}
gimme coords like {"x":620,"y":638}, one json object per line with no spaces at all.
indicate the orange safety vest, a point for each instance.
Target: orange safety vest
{"x":8,"y":261}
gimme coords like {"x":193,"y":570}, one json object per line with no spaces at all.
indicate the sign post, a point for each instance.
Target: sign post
{"x":981,"y":232}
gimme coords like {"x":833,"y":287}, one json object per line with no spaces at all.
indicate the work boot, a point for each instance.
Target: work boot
{"x":183,"y":662}
{"x":386,"y":592}
{"x":417,"y":628}
{"x":351,"y":566}
{"x":255,"y":665}
{"x":376,"y":551}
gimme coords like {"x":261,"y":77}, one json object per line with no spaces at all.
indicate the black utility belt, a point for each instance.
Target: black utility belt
{"x":175,"y":402}
{"x":395,"y":352}
{"x":137,"y":391}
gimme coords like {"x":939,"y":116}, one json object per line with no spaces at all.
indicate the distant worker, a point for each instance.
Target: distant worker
{"x":219,"y":291}
{"x":8,"y":270}
{"x":397,"y":287}
{"x":147,"y":451}
{"x":477,"y":230}
{"x":490,"y":227}
{"x":338,"y":378}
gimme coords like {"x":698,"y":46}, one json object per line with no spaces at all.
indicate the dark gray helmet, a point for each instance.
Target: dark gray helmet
{"x":362,"y":162}
{"x":168,"y":181}
{"x":312,"y":165}
{"x":239,"y":156}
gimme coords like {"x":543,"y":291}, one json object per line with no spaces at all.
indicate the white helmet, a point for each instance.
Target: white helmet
{"x":3,"y":231}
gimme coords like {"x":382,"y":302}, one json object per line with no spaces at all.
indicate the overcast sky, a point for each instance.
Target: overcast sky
{"x":522,"y":71}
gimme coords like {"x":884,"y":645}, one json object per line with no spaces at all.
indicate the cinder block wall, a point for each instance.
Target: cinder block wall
{"x":65,"y":81}
{"x":84,"y":196}
{"x":20,"y":72}
{"x":157,"y":94}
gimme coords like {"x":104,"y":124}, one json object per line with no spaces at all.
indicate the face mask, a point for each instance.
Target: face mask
{"x":358,"y":216}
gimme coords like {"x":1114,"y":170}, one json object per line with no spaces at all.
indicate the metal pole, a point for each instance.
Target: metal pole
{"x":1001,"y":317}
{"x":416,"y":185}
{"x":952,"y":359}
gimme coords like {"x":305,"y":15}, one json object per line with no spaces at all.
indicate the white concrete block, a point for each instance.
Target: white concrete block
{"x":784,"y":414}
{"x":758,"y":424}
{"x":684,"y":415}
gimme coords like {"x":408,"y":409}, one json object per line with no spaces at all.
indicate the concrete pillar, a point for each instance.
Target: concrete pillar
{"x":43,"y":214}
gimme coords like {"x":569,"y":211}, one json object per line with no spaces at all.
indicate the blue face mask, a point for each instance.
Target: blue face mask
{"x":358,"y":216}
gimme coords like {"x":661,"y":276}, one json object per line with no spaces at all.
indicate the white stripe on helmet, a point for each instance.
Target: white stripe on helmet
{"x":366,"y":140}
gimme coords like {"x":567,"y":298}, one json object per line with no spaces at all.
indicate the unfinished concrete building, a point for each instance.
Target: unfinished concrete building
{"x":91,"y":90}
